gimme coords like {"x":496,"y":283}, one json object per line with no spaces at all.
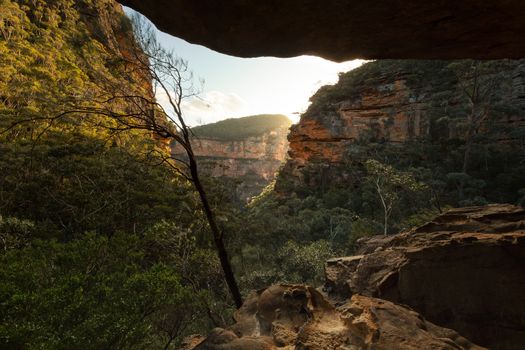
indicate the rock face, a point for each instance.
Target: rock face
{"x":300,"y":317}
{"x":390,"y":110}
{"x":342,"y":30}
{"x":253,"y":161}
{"x":465,"y":270}
{"x":386,"y":102}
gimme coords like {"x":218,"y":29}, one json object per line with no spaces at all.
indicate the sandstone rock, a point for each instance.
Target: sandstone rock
{"x":253,"y":161}
{"x":465,"y":270}
{"x":191,"y":342}
{"x":300,"y":317}
{"x":342,"y":30}
{"x":388,"y":104}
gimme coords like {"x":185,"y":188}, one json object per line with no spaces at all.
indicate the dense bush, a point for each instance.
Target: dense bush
{"x":94,"y":292}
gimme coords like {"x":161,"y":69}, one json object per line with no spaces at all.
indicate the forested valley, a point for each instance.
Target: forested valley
{"x":103,"y":240}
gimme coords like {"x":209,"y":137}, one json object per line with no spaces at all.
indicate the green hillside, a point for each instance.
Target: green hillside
{"x":82,"y":211}
{"x":242,"y":128}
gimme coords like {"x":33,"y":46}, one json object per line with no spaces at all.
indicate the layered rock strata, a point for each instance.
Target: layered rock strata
{"x":252,"y":162}
{"x":383,"y":102}
{"x":465,"y":270}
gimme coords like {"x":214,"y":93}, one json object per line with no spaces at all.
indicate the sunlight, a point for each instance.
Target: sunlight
{"x":235,"y":87}
{"x":283,"y":86}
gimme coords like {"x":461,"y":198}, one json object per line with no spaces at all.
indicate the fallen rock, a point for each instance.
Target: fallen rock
{"x":465,"y":270}
{"x":300,"y":317}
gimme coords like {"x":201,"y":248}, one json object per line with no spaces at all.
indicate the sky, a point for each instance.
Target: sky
{"x":236,"y":87}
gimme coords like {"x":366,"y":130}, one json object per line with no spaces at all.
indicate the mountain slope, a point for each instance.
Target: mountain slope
{"x":236,"y":129}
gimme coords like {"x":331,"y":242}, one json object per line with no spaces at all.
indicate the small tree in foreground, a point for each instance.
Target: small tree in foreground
{"x":172,"y":79}
{"x":389,"y":183}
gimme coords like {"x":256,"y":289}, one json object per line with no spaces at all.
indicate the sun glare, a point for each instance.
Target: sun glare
{"x":237,"y":87}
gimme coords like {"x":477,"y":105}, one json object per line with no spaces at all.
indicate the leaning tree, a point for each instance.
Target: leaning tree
{"x":126,"y":98}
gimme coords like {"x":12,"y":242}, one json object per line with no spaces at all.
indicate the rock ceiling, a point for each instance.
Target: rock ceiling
{"x":341,"y":30}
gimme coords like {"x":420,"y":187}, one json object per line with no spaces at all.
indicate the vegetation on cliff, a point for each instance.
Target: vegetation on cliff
{"x":323,"y":207}
{"x":241,"y":128}
{"x":102,"y":245}
{"x":469,"y":150}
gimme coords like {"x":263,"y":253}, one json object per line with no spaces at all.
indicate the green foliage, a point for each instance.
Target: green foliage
{"x":84,"y":186}
{"x":189,"y":252}
{"x":471,"y":154}
{"x":391,"y":180}
{"x":369,"y":76}
{"x":288,"y":239}
{"x":242,"y":128}
{"x":293,"y":262}
{"x":304,"y":263}
{"x":15,"y":233}
{"x":92,"y":293}
{"x":70,"y":173}
{"x":102,"y":245}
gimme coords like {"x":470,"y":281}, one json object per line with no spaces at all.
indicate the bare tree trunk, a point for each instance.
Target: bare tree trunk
{"x":217,"y":235}
{"x":386,"y":224}
{"x":385,"y":208}
{"x":466,"y":159}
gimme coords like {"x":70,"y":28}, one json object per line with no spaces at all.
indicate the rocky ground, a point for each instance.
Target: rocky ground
{"x":465,"y":271}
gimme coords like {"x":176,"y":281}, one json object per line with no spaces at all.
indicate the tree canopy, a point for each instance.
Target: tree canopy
{"x":235,"y":129}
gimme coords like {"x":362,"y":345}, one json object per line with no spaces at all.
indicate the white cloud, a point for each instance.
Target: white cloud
{"x":283,"y":88}
{"x":213,"y":106}
{"x":209,"y":107}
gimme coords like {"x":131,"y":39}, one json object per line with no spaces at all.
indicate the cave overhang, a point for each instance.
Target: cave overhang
{"x":342,"y":30}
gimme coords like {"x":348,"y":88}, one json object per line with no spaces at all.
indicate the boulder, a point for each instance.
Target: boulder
{"x":300,"y":317}
{"x":465,"y":270}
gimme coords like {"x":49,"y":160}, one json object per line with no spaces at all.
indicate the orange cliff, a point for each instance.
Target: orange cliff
{"x":253,"y":161}
{"x":388,"y":111}
{"x":389,"y":103}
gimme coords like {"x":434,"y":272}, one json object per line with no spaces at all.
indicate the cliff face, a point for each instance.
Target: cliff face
{"x":271,"y":145}
{"x":389,"y":111}
{"x":252,"y":161}
{"x":463,"y":270}
{"x":388,"y":102}
{"x":77,"y":51}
